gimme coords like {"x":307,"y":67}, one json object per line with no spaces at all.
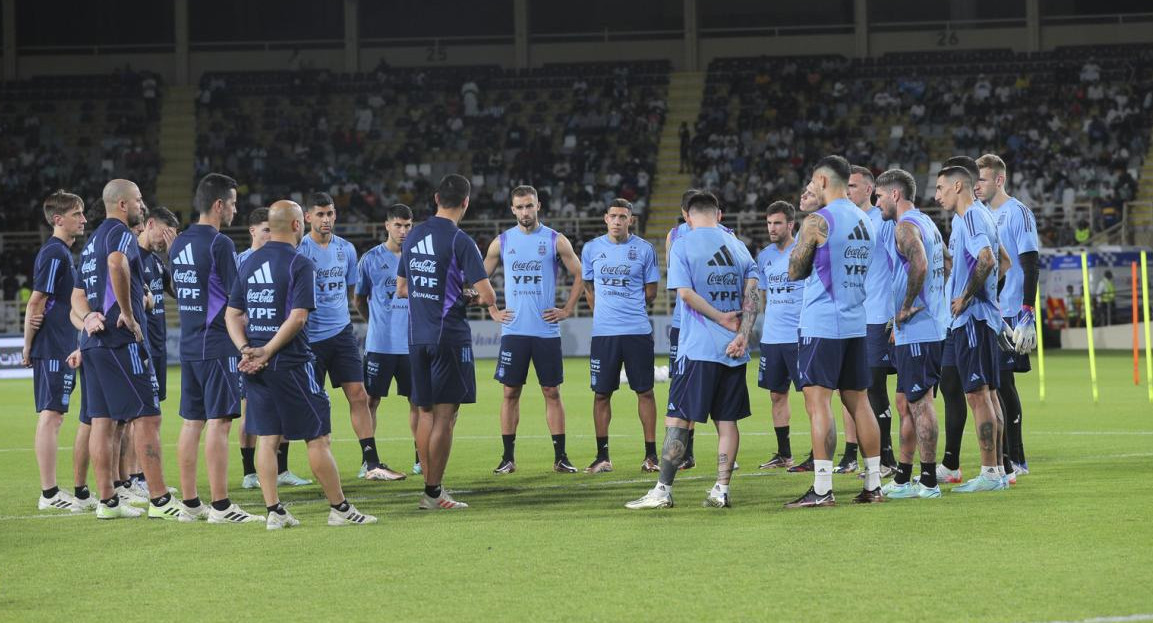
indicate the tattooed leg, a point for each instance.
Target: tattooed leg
{"x":672,"y":453}
{"x":985,"y":418}
{"x":728,"y":442}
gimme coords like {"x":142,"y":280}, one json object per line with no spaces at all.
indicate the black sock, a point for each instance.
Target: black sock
{"x":368,"y":452}
{"x":162,"y":500}
{"x":850,"y":452}
{"x":904,"y":473}
{"x":651,"y":449}
{"x":677,"y":440}
{"x":416,"y":455}
{"x":48,"y":493}
{"x":879,"y":402}
{"x":689,"y":444}
{"x":432,"y":491}
{"x":248,"y":460}
{"x":116,"y":484}
{"x":558,"y":452}
{"x":221,"y":505}
{"x":82,"y":492}
{"x":111,"y":502}
{"x":603,"y":448}
{"x":138,"y":477}
{"x":928,"y":474}
{"x":1011,"y":407}
{"x":784,"y":446}
{"x":282,"y":458}
{"x":277,"y":508}
{"x":342,"y":507}
{"x":956,"y":412}
{"x":509,"y":442}
{"x":193,"y":503}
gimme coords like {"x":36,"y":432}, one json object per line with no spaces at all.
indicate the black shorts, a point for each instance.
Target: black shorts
{"x":609,"y":352}
{"x":878,"y":349}
{"x":918,"y":368}
{"x":381,"y":368}
{"x":975,"y":351}
{"x":287,"y":402}
{"x":442,"y":375}
{"x":516,"y":351}
{"x":833,"y":363}
{"x":53,"y":382}
{"x":778,"y":367}
{"x":339,"y":358}
{"x":706,"y":388}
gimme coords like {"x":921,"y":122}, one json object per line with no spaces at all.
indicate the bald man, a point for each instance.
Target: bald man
{"x":267,"y":312}
{"x":119,"y":377}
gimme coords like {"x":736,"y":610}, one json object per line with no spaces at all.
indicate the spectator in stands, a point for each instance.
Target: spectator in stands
{"x":1090,"y":71}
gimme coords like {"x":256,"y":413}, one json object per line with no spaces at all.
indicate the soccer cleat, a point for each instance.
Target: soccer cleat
{"x":653,"y":499}
{"x":563,"y":466}
{"x":384,"y":473}
{"x":289,"y":479}
{"x":140,"y":487}
{"x":507,"y":466}
{"x":846,"y":467}
{"x":62,"y":501}
{"x":350,"y":517}
{"x":128,"y":496}
{"x":689,"y":462}
{"x":233,"y":514}
{"x":980,"y":483}
{"x":867,"y":496}
{"x":651,"y":464}
{"x":172,"y":511}
{"x":776,"y":462}
{"x":811,"y":500}
{"x":892,"y":489}
{"x":251,"y":481}
{"x":1021,"y":469}
{"x":600,"y":466}
{"x":717,"y":501}
{"x":949,"y":476}
{"x":1009,"y":479}
{"x":911,"y":490}
{"x":119,"y":511}
{"x":196,"y":513}
{"x":276,"y":521}
{"x":444,"y":502}
{"x":803,"y":466}
{"x":363,"y":470}
{"x":417,"y":469}
{"x":886,"y":471}
{"x":84,"y":505}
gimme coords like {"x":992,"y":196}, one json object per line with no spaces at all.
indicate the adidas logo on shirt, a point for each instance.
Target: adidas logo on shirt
{"x":184,"y":257}
{"x":263,"y":275}
{"x":722,"y":257}
{"x":860,"y":232}
{"x":424,"y":246}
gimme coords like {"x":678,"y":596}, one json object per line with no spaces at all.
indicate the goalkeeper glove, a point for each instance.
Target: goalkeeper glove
{"x":1005,"y":338}
{"x":1025,"y":334}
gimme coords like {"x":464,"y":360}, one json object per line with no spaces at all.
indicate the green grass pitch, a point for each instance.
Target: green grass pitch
{"x":1072,"y":541}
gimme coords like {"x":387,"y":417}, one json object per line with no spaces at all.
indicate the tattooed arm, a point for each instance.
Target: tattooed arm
{"x":985,"y":264}
{"x":909,"y":243}
{"x":750,"y":307}
{"x":814,"y":232}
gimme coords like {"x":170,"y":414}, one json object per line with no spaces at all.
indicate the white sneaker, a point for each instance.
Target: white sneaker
{"x":653,"y":499}
{"x":444,"y":502}
{"x":276,"y":521}
{"x":174,"y":510}
{"x":88,"y":504}
{"x":350,"y":517}
{"x":232,"y":514}
{"x":289,"y":479}
{"x":129,"y":496}
{"x":196,"y":513}
{"x":250,"y":481}
{"x":121,"y":510}
{"x":62,"y":501}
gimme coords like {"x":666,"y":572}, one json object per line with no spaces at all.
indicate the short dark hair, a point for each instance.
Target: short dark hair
{"x":212,"y":188}
{"x":620,"y":202}
{"x":704,"y":202}
{"x":524,"y":190}
{"x":964,"y":162}
{"x":257,"y":216}
{"x":957,"y":173}
{"x":686,"y":196}
{"x":864,"y":172}
{"x":164,"y":215}
{"x":60,"y":203}
{"x":900,"y":178}
{"x":837,"y":165}
{"x":452,"y":191}
{"x":782,"y":207}
{"x":319,"y":199}
{"x":398,"y":211}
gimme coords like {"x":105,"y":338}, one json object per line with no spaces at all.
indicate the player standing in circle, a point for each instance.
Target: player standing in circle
{"x":386,"y":347}
{"x":438,"y":264}
{"x":159,"y":233}
{"x":267,"y":314}
{"x":717,"y":279}
{"x":833,"y":255}
{"x":531,"y":254}
{"x":620,"y":280}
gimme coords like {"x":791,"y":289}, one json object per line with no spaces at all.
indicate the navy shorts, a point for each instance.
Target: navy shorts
{"x":609,"y":352}
{"x":1012,"y":361}
{"x":918,"y":368}
{"x":947,"y":358}
{"x":121,"y":383}
{"x":53,"y":381}
{"x":778,"y":367}
{"x":338,"y":357}
{"x":878,"y":349}
{"x":976,"y":353}
{"x":210,"y":389}
{"x":84,"y":417}
{"x":442,"y":374}
{"x":160,"y":367}
{"x":674,"y":338}
{"x":833,"y":363}
{"x":379,"y":371}
{"x":287,"y":402}
{"x":243,"y":386}
{"x":517,"y":350}
{"x":706,"y":388}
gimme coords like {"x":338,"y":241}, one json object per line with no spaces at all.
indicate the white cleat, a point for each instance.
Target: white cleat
{"x":444,"y":502}
{"x":232,"y":514}
{"x":62,"y":501}
{"x":276,"y":521}
{"x":350,"y":517}
{"x":653,"y":499}
{"x":129,"y":496}
{"x":950,"y":476}
{"x":289,"y":479}
{"x":121,"y":510}
{"x":251,"y":481}
{"x":86,"y":505}
{"x":196,"y":513}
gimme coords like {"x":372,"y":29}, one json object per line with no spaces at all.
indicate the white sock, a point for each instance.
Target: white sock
{"x":822,"y":476}
{"x":721,"y":489}
{"x":989,"y":471}
{"x":872,"y":472}
{"x":663,"y":488}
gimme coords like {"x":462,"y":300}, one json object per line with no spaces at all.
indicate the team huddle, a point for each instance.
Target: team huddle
{"x":861,"y":292}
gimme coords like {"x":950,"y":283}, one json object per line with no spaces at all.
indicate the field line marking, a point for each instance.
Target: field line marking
{"x":1116,"y":619}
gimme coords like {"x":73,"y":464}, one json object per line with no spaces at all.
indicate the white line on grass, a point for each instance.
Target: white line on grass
{"x":1117,"y":619}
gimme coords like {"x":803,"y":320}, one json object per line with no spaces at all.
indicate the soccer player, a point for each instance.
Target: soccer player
{"x":438,"y":264}
{"x":1017,"y":231}
{"x":976,"y":319}
{"x":204,"y":271}
{"x":330,"y":333}
{"x":717,"y":279}
{"x":833,"y":256}
{"x":49,"y":339}
{"x":259,"y":233}
{"x":778,"y":365}
{"x":268,"y":309}
{"x":530,"y":253}
{"x":919,"y":326}
{"x":118,"y":375}
{"x":620,"y":280}
{"x":159,"y":233}
{"x":386,"y":347}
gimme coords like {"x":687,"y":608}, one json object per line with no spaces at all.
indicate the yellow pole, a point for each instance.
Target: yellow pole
{"x":1145,"y":302}
{"x":1040,"y":345}
{"x":1088,"y":308}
